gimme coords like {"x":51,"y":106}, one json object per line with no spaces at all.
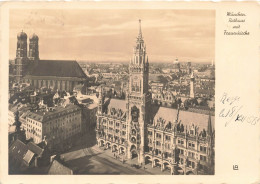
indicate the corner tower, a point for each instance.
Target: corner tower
{"x":138,"y":100}
{"x":21,"y":56}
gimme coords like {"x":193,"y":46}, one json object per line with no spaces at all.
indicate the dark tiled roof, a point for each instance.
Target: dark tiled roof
{"x":117,"y":104}
{"x":58,"y":68}
{"x":185,"y":117}
{"x":43,"y":116}
{"x":57,"y":168}
{"x":18,"y":149}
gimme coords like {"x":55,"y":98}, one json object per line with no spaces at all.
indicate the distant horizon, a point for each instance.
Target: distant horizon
{"x":124,"y":62}
{"x":110,"y":35}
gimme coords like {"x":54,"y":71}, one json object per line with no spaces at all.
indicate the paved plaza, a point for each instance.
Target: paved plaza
{"x":93,"y":160}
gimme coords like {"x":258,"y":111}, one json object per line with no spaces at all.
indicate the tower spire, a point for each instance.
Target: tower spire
{"x":140,"y":30}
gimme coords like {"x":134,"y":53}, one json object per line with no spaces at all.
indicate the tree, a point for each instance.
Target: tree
{"x":17,"y":123}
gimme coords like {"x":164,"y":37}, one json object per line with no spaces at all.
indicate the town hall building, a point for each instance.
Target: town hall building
{"x":179,"y":141}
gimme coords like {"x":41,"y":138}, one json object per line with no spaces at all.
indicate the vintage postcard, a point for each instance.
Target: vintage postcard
{"x":130,"y":92}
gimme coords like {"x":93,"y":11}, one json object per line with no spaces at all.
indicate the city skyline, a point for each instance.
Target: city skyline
{"x":107,"y":35}
{"x":136,"y":124}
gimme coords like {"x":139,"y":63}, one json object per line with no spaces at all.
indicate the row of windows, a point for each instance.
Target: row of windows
{"x":63,"y":116}
{"x":61,"y":119}
{"x":33,"y":129}
{"x":30,"y":126}
{"x":117,"y":124}
{"x":191,"y":145}
{"x":158,"y":143}
{"x":158,"y":135}
{"x":112,"y":123}
{"x":34,"y":132}
{"x":59,"y":122}
{"x":159,"y":96}
{"x":167,"y":137}
{"x":111,"y":130}
{"x":35,"y":122}
{"x":159,"y":152}
{"x":180,"y":141}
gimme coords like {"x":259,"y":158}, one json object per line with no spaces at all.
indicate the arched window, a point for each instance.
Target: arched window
{"x":135,"y":114}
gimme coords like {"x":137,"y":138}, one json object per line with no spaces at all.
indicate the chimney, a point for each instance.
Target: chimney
{"x":52,"y":158}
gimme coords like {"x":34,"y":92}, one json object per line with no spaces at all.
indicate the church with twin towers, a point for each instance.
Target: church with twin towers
{"x":61,"y":75}
{"x":177,"y":141}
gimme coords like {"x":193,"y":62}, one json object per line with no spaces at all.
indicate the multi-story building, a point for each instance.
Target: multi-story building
{"x":179,"y":141}
{"x":55,"y":126}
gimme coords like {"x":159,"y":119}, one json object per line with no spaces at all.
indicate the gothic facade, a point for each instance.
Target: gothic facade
{"x":181,"y":142}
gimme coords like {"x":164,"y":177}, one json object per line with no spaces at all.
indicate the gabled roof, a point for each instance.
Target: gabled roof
{"x":167,"y":114}
{"x":18,"y":150}
{"x":117,"y":104}
{"x":58,"y":168}
{"x":34,"y":148}
{"x":186,"y":118}
{"x":28,"y":156}
{"x":200,"y":120}
{"x":58,"y":68}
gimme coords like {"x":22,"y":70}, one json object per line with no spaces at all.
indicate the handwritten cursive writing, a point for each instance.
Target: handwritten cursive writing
{"x":249,"y":119}
{"x":232,"y":111}
{"x":225,"y":99}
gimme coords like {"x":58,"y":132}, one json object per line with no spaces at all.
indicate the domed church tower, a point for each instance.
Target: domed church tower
{"x":138,"y":100}
{"x":21,"y":56}
{"x":33,"y":54}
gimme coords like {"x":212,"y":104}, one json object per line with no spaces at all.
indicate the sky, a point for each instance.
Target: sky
{"x":103,"y":35}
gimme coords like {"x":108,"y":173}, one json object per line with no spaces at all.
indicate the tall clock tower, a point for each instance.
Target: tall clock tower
{"x":138,"y":100}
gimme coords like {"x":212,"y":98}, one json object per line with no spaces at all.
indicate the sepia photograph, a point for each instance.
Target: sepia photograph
{"x":111,"y":92}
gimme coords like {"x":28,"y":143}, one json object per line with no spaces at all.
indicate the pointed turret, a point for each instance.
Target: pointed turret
{"x":178,"y":112}
{"x":100,"y":100}
{"x":209,"y":126}
{"x":140,"y":30}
